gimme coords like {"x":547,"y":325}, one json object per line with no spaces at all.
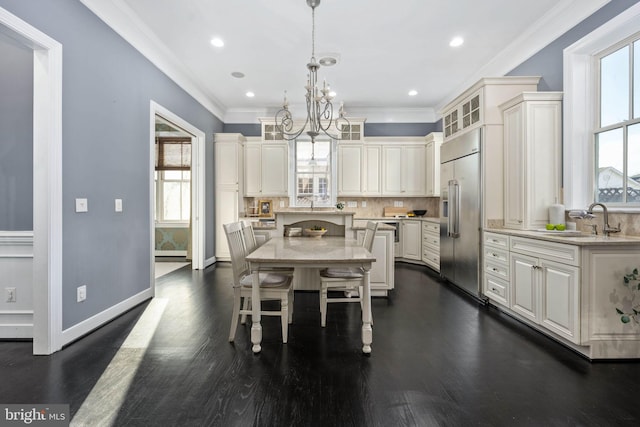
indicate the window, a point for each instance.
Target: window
{"x":617,"y":133}
{"x":173,"y":180}
{"x":583,"y":133}
{"x":314,"y":169}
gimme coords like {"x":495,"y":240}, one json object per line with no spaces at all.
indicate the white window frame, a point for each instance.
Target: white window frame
{"x":580,"y":76}
{"x":623,"y":126}
{"x":293,"y":178}
{"x":159,"y":188}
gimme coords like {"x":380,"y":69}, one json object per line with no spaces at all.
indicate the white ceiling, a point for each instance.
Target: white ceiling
{"x":386,"y":48}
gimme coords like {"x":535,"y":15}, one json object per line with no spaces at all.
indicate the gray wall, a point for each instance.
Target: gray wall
{"x":16,"y":136}
{"x":107,"y":89}
{"x":548,"y":62}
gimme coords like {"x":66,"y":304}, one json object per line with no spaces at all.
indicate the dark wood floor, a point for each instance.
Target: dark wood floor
{"x":439,"y":359}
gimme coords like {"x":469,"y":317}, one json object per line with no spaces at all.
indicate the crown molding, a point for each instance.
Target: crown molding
{"x":117,"y":15}
{"x":556,"y":22}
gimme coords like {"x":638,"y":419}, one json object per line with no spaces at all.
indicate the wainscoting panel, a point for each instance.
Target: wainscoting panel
{"x":16,"y":273}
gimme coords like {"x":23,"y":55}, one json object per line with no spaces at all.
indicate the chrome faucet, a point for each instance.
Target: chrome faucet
{"x":588,"y":214}
{"x":606,"y":229}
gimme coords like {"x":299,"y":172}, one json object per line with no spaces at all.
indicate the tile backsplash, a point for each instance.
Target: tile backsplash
{"x":374,"y":205}
{"x":629,"y":223}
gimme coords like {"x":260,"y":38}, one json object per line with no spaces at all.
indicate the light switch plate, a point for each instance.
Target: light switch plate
{"x":118,"y":205}
{"x":352,"y":204}
{"x":82,"y":205}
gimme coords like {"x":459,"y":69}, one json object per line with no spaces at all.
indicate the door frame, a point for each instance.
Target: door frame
{"x":47,"y":181}
{"x":197,"y":185}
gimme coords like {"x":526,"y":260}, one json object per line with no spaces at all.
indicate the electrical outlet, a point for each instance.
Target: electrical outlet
{"x":364,"y":204}
{"x":118,"y":205}
{"x":282,"y":203}
{"x":352,"y":204}
{"x":11,"y":294}
{"x":397,"y":203}
{"x":82,"y":293}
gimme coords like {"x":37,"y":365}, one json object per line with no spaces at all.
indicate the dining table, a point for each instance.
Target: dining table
{"x":316,"y":253}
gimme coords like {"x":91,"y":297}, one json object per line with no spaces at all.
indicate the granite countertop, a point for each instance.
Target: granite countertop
{"x":318,"y":211}
{"x":581,"y":239}
{"x":362,"y":225}
{"x":391,"y":218}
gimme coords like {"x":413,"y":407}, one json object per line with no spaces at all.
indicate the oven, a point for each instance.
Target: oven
{"x":396,"y":235}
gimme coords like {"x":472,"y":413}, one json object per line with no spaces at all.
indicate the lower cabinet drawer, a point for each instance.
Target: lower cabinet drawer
{"x":498,"y":269}
{"x":496,"y":289}
{"x":431,"y":257}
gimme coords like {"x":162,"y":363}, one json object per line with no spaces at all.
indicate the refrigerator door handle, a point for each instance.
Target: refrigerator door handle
{"x":454,"y":211}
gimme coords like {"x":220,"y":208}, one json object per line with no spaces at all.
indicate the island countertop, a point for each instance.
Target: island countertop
{"x":580,"y":239}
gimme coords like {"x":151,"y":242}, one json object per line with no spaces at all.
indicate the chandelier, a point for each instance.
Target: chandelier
{"x":319,"y":107}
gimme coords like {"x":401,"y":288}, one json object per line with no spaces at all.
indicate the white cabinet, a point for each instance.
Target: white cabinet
{"x":412,"y":239}
{"x":479,"y":107}
{"x":228,"y":152}
{"x":432,"y":164}
{"x":403,"y":170}
{"x":544,"y":290}
{"x":350,"y":169}
{"x":266,"y":169}
{"x":431,"y":244}
{"x":382,"y":274}
{"x":532,"y":158}
{"x":372,"y":184}
{"x":464,"y":115}
{"x":495,"y":283}
{"x":359,"y":169}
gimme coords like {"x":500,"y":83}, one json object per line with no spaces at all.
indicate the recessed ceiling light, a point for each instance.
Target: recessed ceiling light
{"x":456,"y":41}
{"x":237,"y":74}
{"x":250,"y":94}
{"x":413,"y":92}
{"x":217,"y":42}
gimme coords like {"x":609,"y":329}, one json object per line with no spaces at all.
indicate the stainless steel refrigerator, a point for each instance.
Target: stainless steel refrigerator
{"x":460,"y":211}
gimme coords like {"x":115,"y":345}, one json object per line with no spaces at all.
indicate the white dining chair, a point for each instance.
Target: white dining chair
{"x":272,"y":286}
{"x":345,"y":280}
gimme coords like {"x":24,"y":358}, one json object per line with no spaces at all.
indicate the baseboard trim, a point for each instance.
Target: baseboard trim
{"x":16,"y":324}
{"x":83,"y":328}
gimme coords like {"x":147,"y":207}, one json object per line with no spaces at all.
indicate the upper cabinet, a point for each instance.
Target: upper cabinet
{"x":464,"y":115}
{"x":359,"y":169}
{"x":434,"y":141}
{"x":350,"y":169}
{"x":532,"y":158}
{"x":403,"y":170}
{"x":266,"y":169}
{"x":478,"y":105}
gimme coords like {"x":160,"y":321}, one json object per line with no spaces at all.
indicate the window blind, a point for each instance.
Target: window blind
{"x":173,"y":153}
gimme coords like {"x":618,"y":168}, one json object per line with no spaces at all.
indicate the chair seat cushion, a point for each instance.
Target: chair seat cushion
{"x":343,"y":273}
{"x":266,"y":280}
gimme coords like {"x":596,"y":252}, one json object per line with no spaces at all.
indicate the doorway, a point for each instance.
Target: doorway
{"x":177,"y":178}
{"x":47,"y":181}
{"x":172,"y":189}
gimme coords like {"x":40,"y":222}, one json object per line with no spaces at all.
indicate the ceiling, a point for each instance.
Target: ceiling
{"x":385,"y":49}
